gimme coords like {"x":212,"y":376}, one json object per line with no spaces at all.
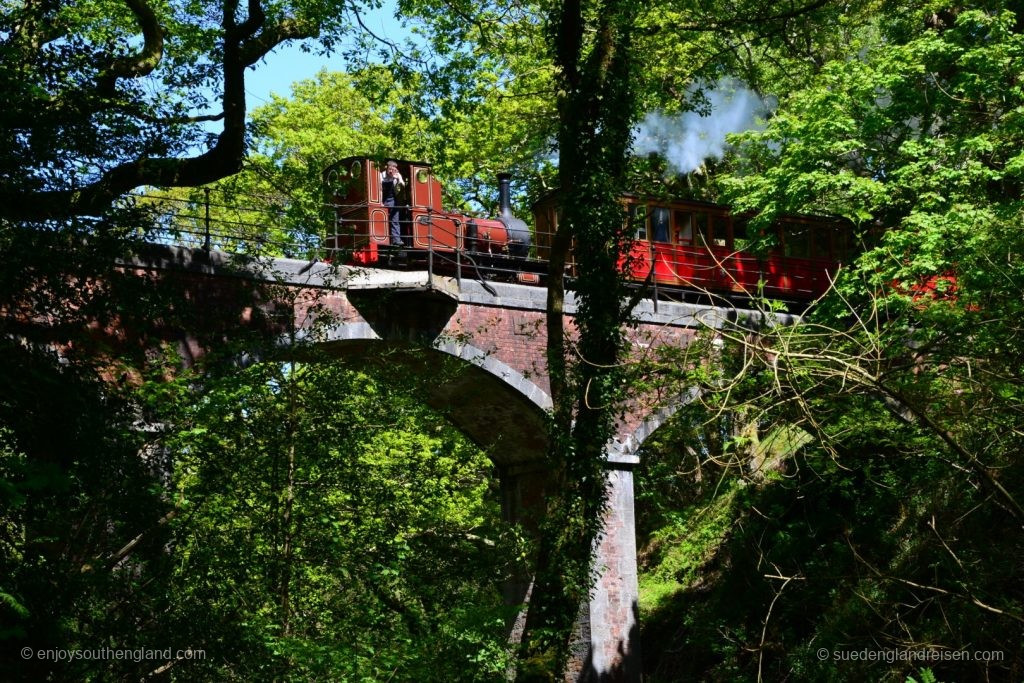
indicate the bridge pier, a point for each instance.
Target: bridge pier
{"x":614,"y":600}
{"x":606,"y":647}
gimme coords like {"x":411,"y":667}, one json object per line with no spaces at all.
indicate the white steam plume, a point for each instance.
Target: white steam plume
{"x":687,"y":139}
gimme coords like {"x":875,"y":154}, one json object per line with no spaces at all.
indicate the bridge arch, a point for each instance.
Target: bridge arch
{"x":625,"y":448}
{"x":495,"y":400}
{"x":516,"y":380}
{"x":503,"y":410}
{"x":494,"y":404}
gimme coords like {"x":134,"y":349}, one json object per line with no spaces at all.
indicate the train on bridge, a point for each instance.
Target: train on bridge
{"x":688,"y":247}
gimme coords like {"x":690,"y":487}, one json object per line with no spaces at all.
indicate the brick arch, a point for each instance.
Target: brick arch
{"x":494,"y":404}
{"x":522,"y":474}
{"x":625,"y":447}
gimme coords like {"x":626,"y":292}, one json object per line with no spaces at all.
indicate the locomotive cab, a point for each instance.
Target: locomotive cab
{"x":359,"y":231}
{"x":360,"y":220}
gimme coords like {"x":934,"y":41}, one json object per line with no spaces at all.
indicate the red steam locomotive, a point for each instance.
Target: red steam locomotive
{"x":692,"y":247}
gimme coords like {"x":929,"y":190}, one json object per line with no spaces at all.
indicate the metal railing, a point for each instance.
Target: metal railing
{"x":276,"y":226}
{"x":253,"y":226}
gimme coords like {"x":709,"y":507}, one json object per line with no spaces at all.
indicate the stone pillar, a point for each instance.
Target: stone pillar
{"x":606,"y":642}
{"x":614,"y":607}
{"x":522,"y":502}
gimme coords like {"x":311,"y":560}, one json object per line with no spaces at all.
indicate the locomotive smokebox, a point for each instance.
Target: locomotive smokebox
{"x":518,"y":232}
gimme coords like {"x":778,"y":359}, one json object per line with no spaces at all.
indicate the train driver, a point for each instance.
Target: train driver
{"x":392,"y":188}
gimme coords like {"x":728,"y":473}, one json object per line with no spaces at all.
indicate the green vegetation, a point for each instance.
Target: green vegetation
{"x":895,"y":526}
{"x":881,"y":552}
{"x":354,"y":529}
{"x":319,"y":522}
{"x":849,"y":483}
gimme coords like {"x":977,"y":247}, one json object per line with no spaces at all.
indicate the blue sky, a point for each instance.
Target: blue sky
{"x":288,"y":64}
{"x":280,"y":69}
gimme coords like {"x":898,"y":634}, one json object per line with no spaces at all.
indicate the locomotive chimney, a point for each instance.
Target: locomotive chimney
{"x":518,"y":232}
{"x":504,"y":201}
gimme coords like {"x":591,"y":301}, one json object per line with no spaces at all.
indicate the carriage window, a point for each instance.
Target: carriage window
{"x":797,"y":241}
{"x":702,"y":236}
{"x":721,"y":232}
{"x":659,"y":224}
{"x":739,"y":234}
{"x":684,"y":227}
{"x":638,"y":220}
{"x":821,"y":238}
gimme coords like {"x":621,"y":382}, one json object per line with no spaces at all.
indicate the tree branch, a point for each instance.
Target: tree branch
{"x":258,"y":46}
{"x":744,"y":21}
{"x":243,"y":46}
{"x":143,"y":62}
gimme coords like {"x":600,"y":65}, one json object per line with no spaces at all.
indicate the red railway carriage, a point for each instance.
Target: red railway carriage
{"x":361,"y":226}
{"x":702,"y":246}
{"x":689,"y":245}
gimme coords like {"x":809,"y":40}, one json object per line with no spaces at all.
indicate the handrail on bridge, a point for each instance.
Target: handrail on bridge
{"x":282,"y":226}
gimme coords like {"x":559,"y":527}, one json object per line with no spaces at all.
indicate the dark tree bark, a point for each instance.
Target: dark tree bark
{"x":56,"y":131}
{"x":593,"y":54}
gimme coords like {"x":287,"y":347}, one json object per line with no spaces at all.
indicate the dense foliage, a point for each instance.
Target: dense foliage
{"x":367,"y":541}
{"x":290,"y":521}
{"x":895,"y":524}
{"x":850,"y":483}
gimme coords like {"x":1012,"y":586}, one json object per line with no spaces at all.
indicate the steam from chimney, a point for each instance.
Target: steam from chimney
{"x":688,"y":138}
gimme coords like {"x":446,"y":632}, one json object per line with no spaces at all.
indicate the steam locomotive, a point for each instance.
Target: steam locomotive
{"x":680,"y":245}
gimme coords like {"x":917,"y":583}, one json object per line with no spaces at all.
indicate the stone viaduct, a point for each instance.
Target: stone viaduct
{"x":498,"y":397}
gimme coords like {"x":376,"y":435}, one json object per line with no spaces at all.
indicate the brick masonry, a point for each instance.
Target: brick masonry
{"x":498,"y":331}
